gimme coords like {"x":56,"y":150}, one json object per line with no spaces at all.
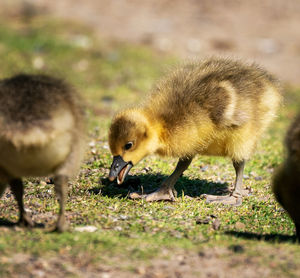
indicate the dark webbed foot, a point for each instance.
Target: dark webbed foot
{"x":236,"y":197}
{"x":167,"y":191}
{"x":162,"y":194}
{"x":60,"y":227}
{"x":226,"y":200}
{"x":25,"y":221}
{"x":298,"y":231}
{"x":137,"y":195}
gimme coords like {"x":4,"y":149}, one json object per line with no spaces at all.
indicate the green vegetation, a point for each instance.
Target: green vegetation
{"x":110,"y":76}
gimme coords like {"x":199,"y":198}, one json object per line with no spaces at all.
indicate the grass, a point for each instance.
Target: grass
{"x":130,"y":233}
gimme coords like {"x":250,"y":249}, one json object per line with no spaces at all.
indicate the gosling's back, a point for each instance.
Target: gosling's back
{"x":286,"y":183}
{"x":40,"y":119}
{"x":216,"y":101}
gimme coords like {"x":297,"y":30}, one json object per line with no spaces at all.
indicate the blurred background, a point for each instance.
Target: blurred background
{"x":264,"y":31}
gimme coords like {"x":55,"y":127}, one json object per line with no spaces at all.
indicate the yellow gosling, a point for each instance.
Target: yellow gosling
{"x":215,"y":107}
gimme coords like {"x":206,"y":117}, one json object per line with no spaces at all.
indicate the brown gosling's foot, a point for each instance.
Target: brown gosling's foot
{"x":161,"y":194}
{"x":137,"y":195}
{"x":226,"y":200}
{"x":26,"y":221}
{"x":61,"y":226}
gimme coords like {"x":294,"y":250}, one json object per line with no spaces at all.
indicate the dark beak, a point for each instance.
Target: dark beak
{"x":119,"y":169}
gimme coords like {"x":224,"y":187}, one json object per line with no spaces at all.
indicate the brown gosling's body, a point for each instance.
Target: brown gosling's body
{"x":41,"y":128}
{"x":286,"y":182}
{"x":215,"y":107}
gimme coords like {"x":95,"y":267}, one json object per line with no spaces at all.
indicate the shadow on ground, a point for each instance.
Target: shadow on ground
{"x":6,"y":223}
{"x":148,"y":183}
{"x":265,"y":237}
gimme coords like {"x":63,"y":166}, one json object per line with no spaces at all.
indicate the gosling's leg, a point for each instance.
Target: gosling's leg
{"x":17,"y":189}
{"x":298,"y":231}
{"x":167,"y":191}
{"x":2,"y":188}
{"x":235,"y":198}
{"x":61,"y":185}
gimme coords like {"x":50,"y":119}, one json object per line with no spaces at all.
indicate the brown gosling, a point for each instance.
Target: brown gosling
{"x":215,"y":107}
{"x":41,"y":126}
{"x":286,"y":182}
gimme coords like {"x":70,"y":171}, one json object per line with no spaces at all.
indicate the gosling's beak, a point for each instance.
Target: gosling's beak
{"x":119,"y":169}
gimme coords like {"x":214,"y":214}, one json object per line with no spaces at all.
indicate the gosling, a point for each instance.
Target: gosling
{"x":215,"y":107}
{"x":286,"y":181}
{"x":41,"y":126}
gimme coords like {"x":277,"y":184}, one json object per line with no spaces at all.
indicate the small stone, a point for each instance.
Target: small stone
{"x":123,"y":217}
{"x":38,"y":63}
{"x":107,"y":99}
{"x":105,"y":146}
{"x":118,"y":228}
{"x":147,"y":169}
{"x":240,"y":225}
{"x":201,"y":254}
{"x":194,"y":45}
{"x":200,"y":221}
{"x":204,"y":168}
{"x":105,"y":275}
{"x":187,"y":197}
{"x":92,"y":144}
{"x":216,"y":224}
{"x":49,"y":181}
{"x":236,"y":248}
{"x":43,"y":183}
{"x":82,"y":41}
{"x":89,"y":229}
{"x":82,"y":65}
{"x":39,"y":273}
{"x":163,"y":44}
{"x":168,"y":207}
{"x":268,"y":46}
{"x":135,"y":195}
{"x":140,"y":270}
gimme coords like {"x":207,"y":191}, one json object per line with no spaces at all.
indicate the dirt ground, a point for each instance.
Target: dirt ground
{"x":263,"y":31}
{"x":215,"y":262}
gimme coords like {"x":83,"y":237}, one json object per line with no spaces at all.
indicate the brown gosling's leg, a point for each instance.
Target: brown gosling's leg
{"x":298,"y":231}
{"x":235,"y":198}
{"x":61,"y":187}
{"x":17,"y":189}
{"x":2,"y":188}
{"x":167,"y":192}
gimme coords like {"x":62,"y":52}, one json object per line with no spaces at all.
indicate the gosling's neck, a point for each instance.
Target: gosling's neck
{"x":157,"y":137}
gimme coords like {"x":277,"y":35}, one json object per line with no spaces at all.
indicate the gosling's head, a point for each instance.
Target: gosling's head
{"x":131,"y":138}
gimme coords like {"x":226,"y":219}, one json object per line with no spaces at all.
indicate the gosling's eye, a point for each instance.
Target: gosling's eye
{"x":128,"y":146}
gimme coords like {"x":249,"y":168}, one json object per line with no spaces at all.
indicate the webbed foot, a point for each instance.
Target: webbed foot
{"x":226,"y":200}
{"x":25,"y":221}
{"x":161,"y":194}
{"x":61,"y":226}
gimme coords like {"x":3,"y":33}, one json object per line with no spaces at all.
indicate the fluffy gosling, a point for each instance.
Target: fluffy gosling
{"x":286,"y":182}
{"x":215,"y":107}
{"x":41,"y":126}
